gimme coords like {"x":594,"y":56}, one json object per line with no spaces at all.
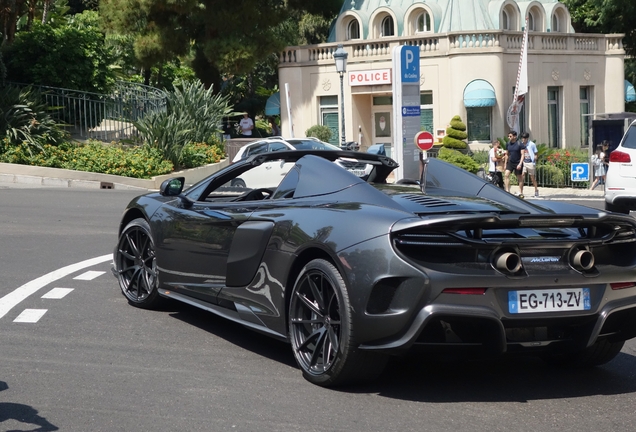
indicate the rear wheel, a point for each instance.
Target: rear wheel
{"x":321,"y":331}
{"x":600,"y":353}
{"x":616,"y":208}
{"x":136,"y":265}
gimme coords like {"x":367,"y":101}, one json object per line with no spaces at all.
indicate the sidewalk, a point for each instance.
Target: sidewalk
{"x":24,"y":176}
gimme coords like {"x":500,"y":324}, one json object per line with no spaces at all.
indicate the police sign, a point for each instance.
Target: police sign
{"x":580,"y":172}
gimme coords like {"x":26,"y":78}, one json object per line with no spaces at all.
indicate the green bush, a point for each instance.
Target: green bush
{"x":194,"y":115}
{"x":455,"y":134}
{"x":550,"y":174}
{"x":24,"y":118}
{"x":138,"y":162}
{"x":199,"y":154}
{"x":458,"y":159}
{"x":71,"y":56}
{"x":323,"y":133}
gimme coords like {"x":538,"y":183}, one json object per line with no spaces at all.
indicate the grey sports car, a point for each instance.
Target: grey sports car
{"x":352,"y":270}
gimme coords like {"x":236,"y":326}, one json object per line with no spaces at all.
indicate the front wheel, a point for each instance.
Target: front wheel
{"x":321,"y":330}
{"x":136,"y":265}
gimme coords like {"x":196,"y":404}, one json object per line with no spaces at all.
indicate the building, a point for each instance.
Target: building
{"x":469,"y":58}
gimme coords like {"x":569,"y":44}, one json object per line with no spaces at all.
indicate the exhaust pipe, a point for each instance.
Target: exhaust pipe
{"x":582,"y":260}
{"x":508,"y":262}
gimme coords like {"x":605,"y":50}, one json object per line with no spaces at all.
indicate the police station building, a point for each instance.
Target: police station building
{"x":468,"y":62}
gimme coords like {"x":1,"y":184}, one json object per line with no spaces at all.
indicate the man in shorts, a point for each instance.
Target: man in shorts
{"x":515,"y":152}
{"x":530,"y":161}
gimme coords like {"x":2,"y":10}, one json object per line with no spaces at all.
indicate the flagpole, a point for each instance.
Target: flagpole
{"x":521,"y":86}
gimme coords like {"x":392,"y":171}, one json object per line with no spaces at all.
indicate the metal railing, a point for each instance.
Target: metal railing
{"x":105,"y":117}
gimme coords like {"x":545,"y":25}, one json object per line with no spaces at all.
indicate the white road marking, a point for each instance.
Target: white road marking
{"x":57,"y":293}
{"x":12,"y":299}
{"x":30,"y":316}
{"x":89,"y":275}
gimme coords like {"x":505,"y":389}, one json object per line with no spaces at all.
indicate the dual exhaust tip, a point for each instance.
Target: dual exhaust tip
{"x":509,"y":262}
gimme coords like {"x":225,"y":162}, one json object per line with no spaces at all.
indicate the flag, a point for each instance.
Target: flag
{"x":521,"y":88}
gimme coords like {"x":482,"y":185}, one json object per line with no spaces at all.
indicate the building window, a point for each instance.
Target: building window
{"x":423,"y":23}
{"x":353,"y":30}
{"x":505,"y":20}
{"x":479,"y":123}
{"x":555,"y":23}
{"x":554,"y":117}
{"x":329,"y":116}
{"x":531,"y":22}
{"x":585,"y":104}
{"x":387,"y":27}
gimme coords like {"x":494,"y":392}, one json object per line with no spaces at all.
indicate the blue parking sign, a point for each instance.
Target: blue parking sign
{"x":580,"y":172}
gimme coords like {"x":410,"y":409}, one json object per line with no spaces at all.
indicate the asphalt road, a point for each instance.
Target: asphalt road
{"x":91,"y":362}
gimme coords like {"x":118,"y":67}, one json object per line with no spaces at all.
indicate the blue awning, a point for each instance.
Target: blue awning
{"x":479,"y":93}
{"x":630,"y":93}
{"x":272,"y":106}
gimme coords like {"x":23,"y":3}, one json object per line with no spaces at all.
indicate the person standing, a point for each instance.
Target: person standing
{"x":274,"y":126}
{"x":514,"y":152}
{"x":246,"y":125}
{"x":599,"y":166}
{"x":496,"y":163}
{"x":530,"y":161}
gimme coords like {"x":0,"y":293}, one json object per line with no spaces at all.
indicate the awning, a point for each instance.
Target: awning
{"x":272,"y":106}
{"x":630,"y":93}
{"x":479,"y":93}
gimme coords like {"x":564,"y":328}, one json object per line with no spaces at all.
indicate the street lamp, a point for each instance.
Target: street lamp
{"x":340,"y":56}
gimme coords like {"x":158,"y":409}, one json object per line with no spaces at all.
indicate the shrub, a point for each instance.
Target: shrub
{"x":71,"y":56}
{"x":194,"y":115}
{"x":550,"y":174}
{"x":24,"y":118}
{"x":458,"y":159}
{"x":323,"y":133}
{"x":199,"y":154}
{"x":455,"y":134}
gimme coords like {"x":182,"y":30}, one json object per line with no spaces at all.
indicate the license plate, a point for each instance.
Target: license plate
{"x":358,"y":173}
{"x":551,"y":300}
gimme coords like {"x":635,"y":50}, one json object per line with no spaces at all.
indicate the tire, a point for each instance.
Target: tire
{"x":321,"y":331}
{"x":616,"y":208}
{"x":601,"y":352}
{"x":239,"y":183}
{"x":136,"y":265}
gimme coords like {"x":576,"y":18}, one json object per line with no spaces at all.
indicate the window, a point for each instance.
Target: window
{"x":387,"y":27}
{"x":329,"y":116}
{"x":555,"y":23}
{"x":505,"y":20}
{"x":531,"y":21}
{"x":382,"y":100}
{"x":353,"y":30}
{"x":478,"y":123}
{"x":585,"y":104}
{"x":554,"y":117}
{"x":423,"y":23}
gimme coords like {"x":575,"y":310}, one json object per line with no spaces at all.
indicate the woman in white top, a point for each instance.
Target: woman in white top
{"x":599,"y":167}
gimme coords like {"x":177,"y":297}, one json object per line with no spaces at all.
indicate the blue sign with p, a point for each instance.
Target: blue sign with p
{"x":410,"y":63}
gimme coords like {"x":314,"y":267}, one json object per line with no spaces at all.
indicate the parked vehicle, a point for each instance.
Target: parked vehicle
{"x":350,"y":271}
{"x":620,"y":179}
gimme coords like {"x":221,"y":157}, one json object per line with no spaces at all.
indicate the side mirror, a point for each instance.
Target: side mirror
{"x":172,"y":187}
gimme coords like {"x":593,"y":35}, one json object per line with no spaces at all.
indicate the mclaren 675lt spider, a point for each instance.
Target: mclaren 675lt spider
{"x":352,"y":270}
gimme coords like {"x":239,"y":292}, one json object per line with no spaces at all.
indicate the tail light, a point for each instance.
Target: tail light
{"x":620,"y":157}
{"x":622,"y":285}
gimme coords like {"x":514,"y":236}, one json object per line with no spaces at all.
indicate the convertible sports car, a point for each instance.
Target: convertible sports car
{"x":352,"y":271}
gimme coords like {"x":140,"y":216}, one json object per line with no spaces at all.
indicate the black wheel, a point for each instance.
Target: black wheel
{"x":136,"y":265}
{"x":616,"y":208}
{"x":238,"y":183}
{"x":321,"y":332}
{"x":601,"y":352}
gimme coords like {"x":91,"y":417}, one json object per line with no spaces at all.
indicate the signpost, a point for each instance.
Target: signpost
{"x":424,"y":141}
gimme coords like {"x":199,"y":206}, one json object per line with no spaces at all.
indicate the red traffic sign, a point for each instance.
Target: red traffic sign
{"x":424,"y":140}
